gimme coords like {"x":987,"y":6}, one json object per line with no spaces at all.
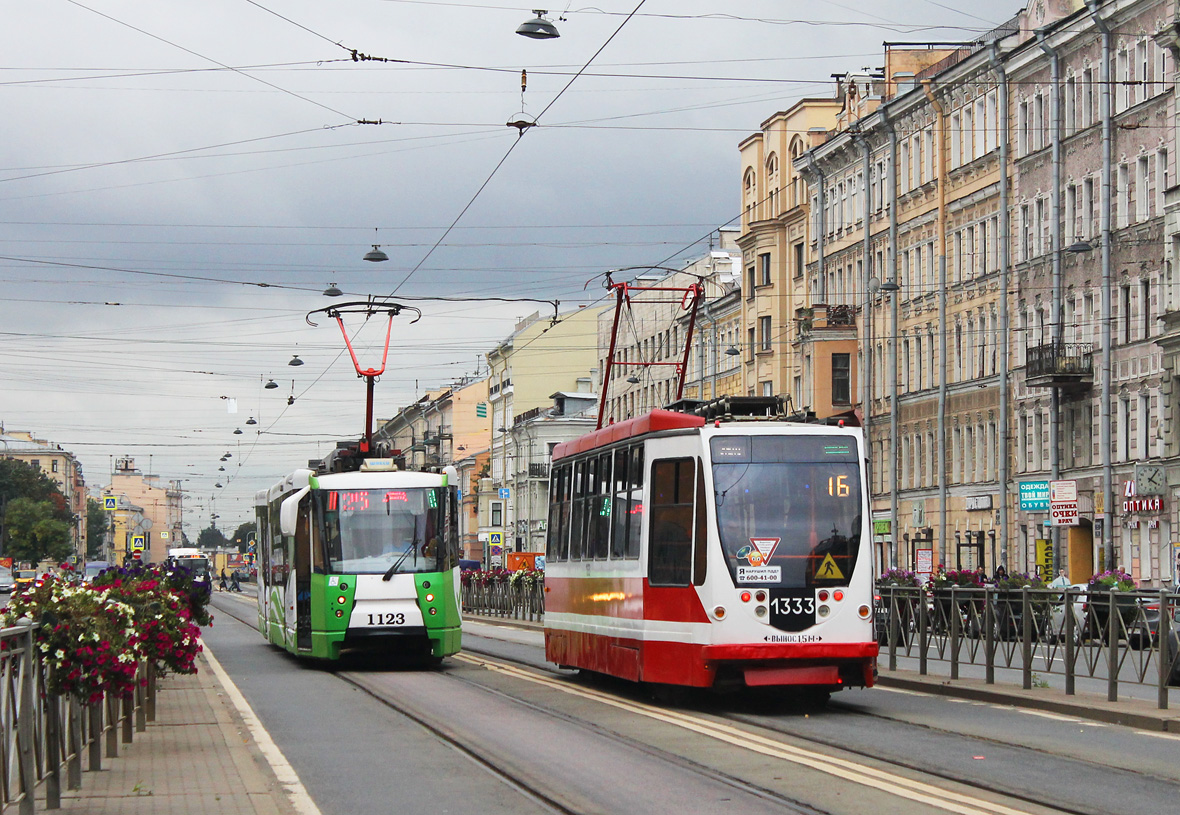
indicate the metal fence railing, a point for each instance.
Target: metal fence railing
{"x":1115,"y":636}
{"x":46,"y":738}
{"x":502,"y":598}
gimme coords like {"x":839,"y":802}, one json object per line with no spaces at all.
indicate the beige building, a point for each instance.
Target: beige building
{"x":148,"y":506}
{"x":782,"y":337}
{"x":525,"y":371}
{"x":438,"y":429}
{"x":61,"y":467}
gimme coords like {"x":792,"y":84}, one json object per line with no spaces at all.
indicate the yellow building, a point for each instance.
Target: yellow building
{"x":149,"y":506}
{"x":781,"y":336}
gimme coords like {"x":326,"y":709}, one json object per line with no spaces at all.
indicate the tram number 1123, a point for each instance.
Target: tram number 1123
{"x":387,"y":618}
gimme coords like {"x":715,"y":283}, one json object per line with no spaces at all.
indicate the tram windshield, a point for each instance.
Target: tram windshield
{"x":788,"y":508}
{"x":383,"y":531}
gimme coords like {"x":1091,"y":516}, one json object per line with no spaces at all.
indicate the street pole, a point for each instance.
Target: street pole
{"x":1104,"y":221}
{"x":1005,"y":260}
{"x":941,"y":129}
{"x":891,"y":183}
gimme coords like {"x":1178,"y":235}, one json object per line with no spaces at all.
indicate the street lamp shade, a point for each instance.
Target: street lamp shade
{"x":221,"y":469}
{"x":633,"y":379}
{"x":890,"y":286}
{"x":295,"y":361}
{"x":538,"y":28}
{"x":501,"y":430}
{"x":376,"y":255}
{"x":332,"y":291}
{"x":732,"y":351}
{"x":251,"y":421}
{"x":271,"y":385}
{"x":1080,"y":247}
{"x":237,"y":431}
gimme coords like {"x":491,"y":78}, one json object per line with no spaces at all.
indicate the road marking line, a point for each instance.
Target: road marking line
{"x":1155,"y":735}
{"x":1055,"y":716}
{"x":284,"y":772}
{"x":865,"y":775}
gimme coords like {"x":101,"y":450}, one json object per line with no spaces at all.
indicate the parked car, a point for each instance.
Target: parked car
{"x":93,"y":568}
{"x":24,"y":578}
{"x":6,"y":581}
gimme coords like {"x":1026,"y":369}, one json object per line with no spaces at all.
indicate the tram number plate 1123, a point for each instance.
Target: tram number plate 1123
{"x":386,"y":618}
{"x":792,"y":609}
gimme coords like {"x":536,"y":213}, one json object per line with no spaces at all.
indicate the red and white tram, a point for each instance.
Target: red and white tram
{"x":709,"y":552}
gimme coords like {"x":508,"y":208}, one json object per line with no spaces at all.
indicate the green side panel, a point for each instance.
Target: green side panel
{"x":328,"y":629}
{"x":444,"y":626}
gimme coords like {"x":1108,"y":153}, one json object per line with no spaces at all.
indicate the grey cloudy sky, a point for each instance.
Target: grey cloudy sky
{"x":161,"y":160}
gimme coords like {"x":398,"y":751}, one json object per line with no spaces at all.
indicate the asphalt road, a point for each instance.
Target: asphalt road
{"x":498,"y":730}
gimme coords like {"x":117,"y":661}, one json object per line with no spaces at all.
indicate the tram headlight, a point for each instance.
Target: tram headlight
{"x":824,"y":611}
{"x":760,"y":611}
{"x":342,"y":599}
{"x":433,"y":611}
{"x":339,"y":613}
{"x":430,"y":598}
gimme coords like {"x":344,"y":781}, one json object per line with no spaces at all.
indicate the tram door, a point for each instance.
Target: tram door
{"x":303,"y":576}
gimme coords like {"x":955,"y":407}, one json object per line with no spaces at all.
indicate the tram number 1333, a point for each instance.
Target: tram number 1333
{"x":387,"y":618}
{"x":791,"y":611}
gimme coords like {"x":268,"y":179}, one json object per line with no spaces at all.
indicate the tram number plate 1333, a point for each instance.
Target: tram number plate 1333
{"x":792,"y":609}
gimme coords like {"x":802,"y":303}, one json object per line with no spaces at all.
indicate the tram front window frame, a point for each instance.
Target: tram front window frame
{"x":363,"y":532}
{"x":776,"y":522}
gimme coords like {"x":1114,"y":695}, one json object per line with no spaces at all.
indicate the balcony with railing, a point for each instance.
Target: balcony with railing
{"x":538,"y":470}
{"x":1060,"y":365}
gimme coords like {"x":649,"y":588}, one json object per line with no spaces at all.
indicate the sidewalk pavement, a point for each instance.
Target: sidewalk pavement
{"x":1138,"y":713}
{"x":198,"y":757}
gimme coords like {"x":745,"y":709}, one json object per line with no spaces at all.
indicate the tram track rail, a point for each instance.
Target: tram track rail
{"x":851,"y":764}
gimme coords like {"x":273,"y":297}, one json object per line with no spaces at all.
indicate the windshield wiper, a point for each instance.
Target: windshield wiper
{"x":413,"y":547}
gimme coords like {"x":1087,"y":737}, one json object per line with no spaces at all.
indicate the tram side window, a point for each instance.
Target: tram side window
{"x":556,"y":543}
{"x":263,"y":545}
{"x":635,"y":525}
{"x":599,"y":537}
{"x":577,"y":520}
{"x":621,"y":512}
{"x":700,"y":557}
{"x":278,"y":547}
{"x":673,"y":489}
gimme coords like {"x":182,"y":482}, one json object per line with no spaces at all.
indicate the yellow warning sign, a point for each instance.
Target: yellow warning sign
{"x":828,"y":570}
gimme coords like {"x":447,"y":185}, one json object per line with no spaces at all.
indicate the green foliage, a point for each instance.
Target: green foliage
{"x":211,"y":538}
{"x":35,"y":532}
{"x":97,"y":523}
{"x":243,"y":534}
{"x":19,"y":479}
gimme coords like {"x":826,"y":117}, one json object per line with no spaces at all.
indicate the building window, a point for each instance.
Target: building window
{"x":749,"y":282}
{"x":768,"y":389}
{"x":797,"y":250}
{"x":53,"y":465}
{"x":36,"y":463}
{"x":841,"y":379}
{"x":764,"y":269}
{"x":497,"y":513}
{"x":764,"y":333}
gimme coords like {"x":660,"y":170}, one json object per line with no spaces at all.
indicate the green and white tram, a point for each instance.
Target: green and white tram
{"x":359,"y":561}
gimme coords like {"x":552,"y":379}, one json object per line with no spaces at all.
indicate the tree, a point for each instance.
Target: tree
{"x":211,"y":538}
{"x":244,"y":534}
{"x":97,"y":524}
{"x":19,"y":479}
{"x":34,"y":531}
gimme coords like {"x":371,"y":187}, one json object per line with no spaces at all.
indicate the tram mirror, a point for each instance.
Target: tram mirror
{"x":289,"y":512}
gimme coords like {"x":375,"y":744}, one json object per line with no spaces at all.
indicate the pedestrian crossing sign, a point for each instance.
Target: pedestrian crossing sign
{"x":110,"y":502}
{"x":828,"y":570}
{"x":137,"y":543}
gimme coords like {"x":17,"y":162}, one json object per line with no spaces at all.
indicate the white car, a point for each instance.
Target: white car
{"x":1078,"y":597}
{"x":6,"y":582}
